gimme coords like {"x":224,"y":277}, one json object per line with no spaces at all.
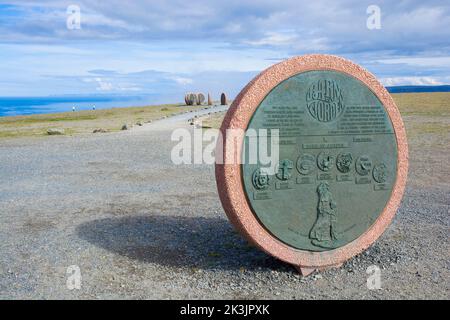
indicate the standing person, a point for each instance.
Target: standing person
{"x":93,"y":107}
{"x":73,"y":109}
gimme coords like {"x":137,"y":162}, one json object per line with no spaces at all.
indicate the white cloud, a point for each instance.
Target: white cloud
{"x":89,"y":20}
{"x":274,"y":39}
{"x":101,"y":84}
{"x":179,"y":41}
{"x":233,"y":28}
{"x":417,"y":81}
{"x":183,"y":81}
{"x":420,"y":61}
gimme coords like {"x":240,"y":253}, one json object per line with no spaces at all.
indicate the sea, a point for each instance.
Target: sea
{"x":14,"y":106}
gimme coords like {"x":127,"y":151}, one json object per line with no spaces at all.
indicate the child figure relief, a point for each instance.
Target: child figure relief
{"x":323,"y":233}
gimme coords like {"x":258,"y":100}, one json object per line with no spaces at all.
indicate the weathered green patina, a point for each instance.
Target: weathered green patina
{"x":338,"y":161}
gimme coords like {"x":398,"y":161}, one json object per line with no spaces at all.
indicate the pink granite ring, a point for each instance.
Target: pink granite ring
{"x":229,"y":176}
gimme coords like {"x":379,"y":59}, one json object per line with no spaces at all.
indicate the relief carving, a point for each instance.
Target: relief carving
{"x":344,"y":161}
{"x":324,"y":100}
{"x":260,"y":179}
{"x":380,"y":173}
{"x":325,"y":161}
{"x":284,"y":169}
{"x":323,"y":233}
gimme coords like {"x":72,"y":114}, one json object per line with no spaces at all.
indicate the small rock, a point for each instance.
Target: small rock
{"x":317,"y":277}
{"x":53,"y":132}
{"x":124,"y":127}
{"x":99,"y":130}
{"x":139,"y":124}
{"x":435,"y":277}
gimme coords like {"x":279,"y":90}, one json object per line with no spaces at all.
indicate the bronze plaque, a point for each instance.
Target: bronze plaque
{"x":337,"y":161}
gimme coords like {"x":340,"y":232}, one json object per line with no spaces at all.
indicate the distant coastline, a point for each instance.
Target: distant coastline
{"x":13,"y":106}
{"x":418,"y":89}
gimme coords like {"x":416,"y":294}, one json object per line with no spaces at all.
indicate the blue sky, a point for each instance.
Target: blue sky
{"x":170,"y":47}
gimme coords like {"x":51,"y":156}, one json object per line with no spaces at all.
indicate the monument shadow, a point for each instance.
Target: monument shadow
{"x":177,"y":241}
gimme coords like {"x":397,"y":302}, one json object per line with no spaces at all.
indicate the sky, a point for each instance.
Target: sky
{"x":169,"y":47}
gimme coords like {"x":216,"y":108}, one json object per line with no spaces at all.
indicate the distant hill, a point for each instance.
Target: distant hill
{"x":407,"y":89}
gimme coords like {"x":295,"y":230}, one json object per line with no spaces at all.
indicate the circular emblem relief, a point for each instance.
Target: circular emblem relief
{"x":306,"y":164}
{"x":284,"y":169}
{"x":380,"y":173}
{"x":260,"y":179}
{"x":344,"y":161}
{"x":325,"y":161}
{"x":324,"y":100}
{"x":363,"y":165}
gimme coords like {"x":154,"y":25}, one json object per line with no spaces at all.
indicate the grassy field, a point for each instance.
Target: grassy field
{"x":426,"y":117}
{"x":82,"y":122}
{"x":423,"y":113}
{"x":424,"y":104}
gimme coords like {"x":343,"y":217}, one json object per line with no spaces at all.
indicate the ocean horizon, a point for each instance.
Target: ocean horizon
{"x":15,"y":106}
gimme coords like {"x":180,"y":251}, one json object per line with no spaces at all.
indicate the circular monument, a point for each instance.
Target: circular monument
{"x":341,"y":166}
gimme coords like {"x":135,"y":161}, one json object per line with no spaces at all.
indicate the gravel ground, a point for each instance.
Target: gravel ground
{"x":140,"y":227}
